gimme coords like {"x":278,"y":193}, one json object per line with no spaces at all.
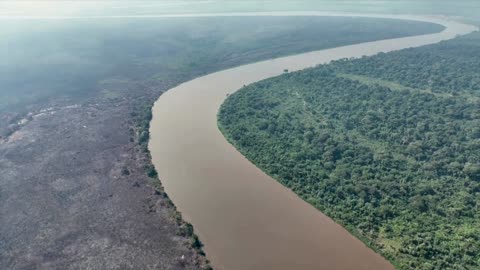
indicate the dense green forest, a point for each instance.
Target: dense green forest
{"x":388,"y":146}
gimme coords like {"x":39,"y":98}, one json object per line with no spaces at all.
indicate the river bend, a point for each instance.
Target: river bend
{"x":246,"y":219}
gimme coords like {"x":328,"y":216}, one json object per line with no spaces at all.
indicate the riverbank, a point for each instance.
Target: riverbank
{"x":242,"y":215}
{"x":340,"y":136}
{"x":75,"y":190}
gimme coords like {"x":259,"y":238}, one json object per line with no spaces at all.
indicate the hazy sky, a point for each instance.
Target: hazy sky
{"x":469,"y":8}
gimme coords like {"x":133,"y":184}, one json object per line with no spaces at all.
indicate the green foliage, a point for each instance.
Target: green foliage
{"x":196,"y":243}
{"x":452,"y":67}
{"x":151,"y":171}
{"x":186,"y":230}
{"x":388,"y":146}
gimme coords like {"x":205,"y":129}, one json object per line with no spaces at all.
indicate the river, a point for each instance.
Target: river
{"x":246,"y":219}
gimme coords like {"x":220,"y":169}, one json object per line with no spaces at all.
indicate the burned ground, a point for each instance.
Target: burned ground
{"x":75,"y":195}
{"x":75,"y":192}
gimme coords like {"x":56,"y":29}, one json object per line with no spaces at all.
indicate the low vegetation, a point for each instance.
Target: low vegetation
{"x":141,"y":134}
{"x":388,"y":146}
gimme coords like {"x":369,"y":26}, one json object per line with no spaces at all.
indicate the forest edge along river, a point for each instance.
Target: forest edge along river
{"x":246,"y":219}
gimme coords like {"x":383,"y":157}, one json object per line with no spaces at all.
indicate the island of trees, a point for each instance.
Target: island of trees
{"x":388,"y":146}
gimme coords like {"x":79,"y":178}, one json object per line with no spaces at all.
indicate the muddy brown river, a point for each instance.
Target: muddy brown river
{"x":246,"y":219}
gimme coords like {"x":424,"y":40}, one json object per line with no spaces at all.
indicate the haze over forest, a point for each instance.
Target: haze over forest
{"x":158,"y":135}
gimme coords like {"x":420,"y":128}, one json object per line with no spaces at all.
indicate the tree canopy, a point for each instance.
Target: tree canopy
{"x":388,"y":146}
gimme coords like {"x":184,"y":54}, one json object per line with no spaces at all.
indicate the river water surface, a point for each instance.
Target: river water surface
{"x":246,"y":219}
